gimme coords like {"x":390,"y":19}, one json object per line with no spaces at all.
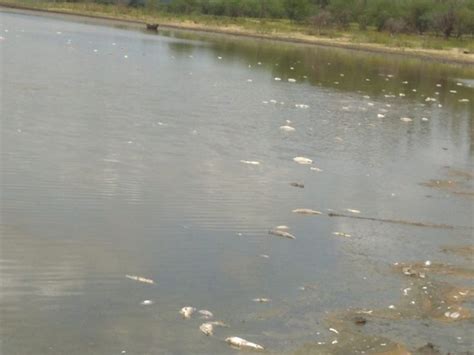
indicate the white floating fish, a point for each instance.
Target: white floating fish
{"x":140,"y":279}
{"x":265,"y":256}
{"x":380,"y":115}
{"x":242,"y":343}
{"x":306,"y":211}
{"x":205,"y":314}
{"x":287,"y":128}
{"x":282,"y":227}
{"x":187,"y":312}
{"x":342,"y":234}
{"x":333,"y":330}
{"x":291,"y":80}
{"x":262,"y":300}
{"x":315,"y":169}
{"x":464,"y":100}
{"x":303,"y":160}
{"x":277,"y":79}
{"x":281,"y":233}
{"x":147,"y":302}
{"x":352,"y":210}
{"x":207,"y":328}
{"x":250,"y":162}
{"x":406,"y":119}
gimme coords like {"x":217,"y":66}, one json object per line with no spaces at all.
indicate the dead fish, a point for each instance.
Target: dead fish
{"x":205,"y":314}
{"x":250,"y":162}
{"x":316,"y":169}
{"x":303,"y":160}
{"x":140,"y":279}
{"x":242,"y":343}
{"x":306,"y":211}
{"x":287,"y":128}
{"x":187,"y":312}
{"x":341,"y":234}
{"x":297,"y":184}
{"x":146,"y":302}
{"x":333,"y":330}
{"x":352,"y":210}
{"x":281,"y":233}
{"x":282,"y":227}
{"x":262,"y":300}
{"x":207,"y":328}
{"x":406,"y":119}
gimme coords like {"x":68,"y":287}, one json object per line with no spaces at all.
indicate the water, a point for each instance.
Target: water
{"x":121,"y":155}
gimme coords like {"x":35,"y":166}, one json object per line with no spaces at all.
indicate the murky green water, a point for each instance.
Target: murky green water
{"x":121,"y":154}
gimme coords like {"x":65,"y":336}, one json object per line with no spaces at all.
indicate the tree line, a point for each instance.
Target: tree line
{"x":444,"y":17}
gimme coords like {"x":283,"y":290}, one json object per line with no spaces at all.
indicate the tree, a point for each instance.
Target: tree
{"x":297,"y":9}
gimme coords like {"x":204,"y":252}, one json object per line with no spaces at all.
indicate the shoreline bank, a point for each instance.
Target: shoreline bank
{"x":451,"y":56}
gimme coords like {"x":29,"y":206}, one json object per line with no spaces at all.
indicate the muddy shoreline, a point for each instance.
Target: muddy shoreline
{"x":442,"y":56}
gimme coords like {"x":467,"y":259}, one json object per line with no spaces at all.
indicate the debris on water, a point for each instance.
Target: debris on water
{"x":342,"y":234}
{"x":242,"y":343}
{"x":207,"y":328}
{"x":205,"y":314}
{"x":147,"y":302}
{"x":281,"y":233}
{"x":291,"y":80}
{"x":96,"y":50}
{"x":250,"y":162}
{"x":352,"y":210}
{"x":287,"y":128}
{"x":140,"y":279}
{"x":262,"y":300}
{"x":297,"y":184}
{"x":306,"y":211}
{"x":187,"y":312}
{"x":405,"y":291}
{"x":406,"y":119}
{"x":359,"y":320}
{"x":303,"y":160}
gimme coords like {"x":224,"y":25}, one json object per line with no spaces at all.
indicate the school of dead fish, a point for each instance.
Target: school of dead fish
{"x":208,"y":327}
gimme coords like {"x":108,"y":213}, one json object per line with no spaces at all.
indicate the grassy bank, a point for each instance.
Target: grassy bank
{"x":427,"y":46}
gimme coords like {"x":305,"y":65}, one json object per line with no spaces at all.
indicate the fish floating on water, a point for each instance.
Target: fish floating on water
{"x":250,"y":162}
{"x":187,"y":312}
{"x":140,"y":279}
{"x":281,"y":233}
{"x":205,"y":314}
{"x":297,"y":184}
{"x":406,"y":119}
{"x":240,"y":343}
{"x":303,"y":160}
{"x":341,"y":234}
{"x":352,"y":210}
{"x":306,"y":211}
{"x":208,"y":327}
{"x":287,"y":128}
{"x":262,"y":300}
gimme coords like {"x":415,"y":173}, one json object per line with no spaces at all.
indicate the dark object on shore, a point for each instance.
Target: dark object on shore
{"x":359,"y":320}
{"x":152,"y":26}
{"x":428,"y":349}
{"x":297,"y":184}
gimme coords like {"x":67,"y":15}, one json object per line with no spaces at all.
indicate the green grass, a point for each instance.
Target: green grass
{"x":256,"y":26}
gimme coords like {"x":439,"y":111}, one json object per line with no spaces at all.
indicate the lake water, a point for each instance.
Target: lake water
{"x":121,"y":155}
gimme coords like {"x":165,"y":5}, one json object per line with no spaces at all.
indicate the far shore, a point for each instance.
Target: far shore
{"x":451,"y":56}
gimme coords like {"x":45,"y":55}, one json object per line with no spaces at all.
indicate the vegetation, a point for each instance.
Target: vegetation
{"x":443,"y":17}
